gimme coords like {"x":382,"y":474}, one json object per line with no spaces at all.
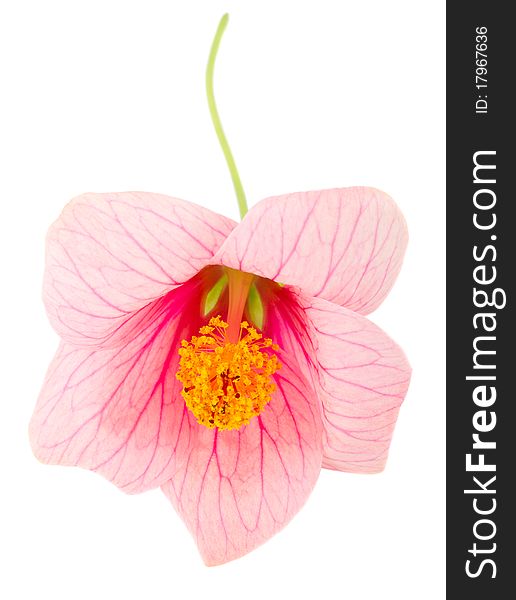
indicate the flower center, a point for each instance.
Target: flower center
{"x":227,"y":382}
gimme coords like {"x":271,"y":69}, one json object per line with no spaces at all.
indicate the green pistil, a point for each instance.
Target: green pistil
{"x":255,"y":307}
{"x":212,"y":297}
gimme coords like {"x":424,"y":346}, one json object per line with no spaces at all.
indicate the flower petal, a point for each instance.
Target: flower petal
{"x":235,"y":489}
{"x":109,"y":255}
{"x":343,"y":245}
{"x":364,"y":377}
{"x":118,"y":410}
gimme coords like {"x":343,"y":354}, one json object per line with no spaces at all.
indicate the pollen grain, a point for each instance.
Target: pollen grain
{"x":226,"y":384}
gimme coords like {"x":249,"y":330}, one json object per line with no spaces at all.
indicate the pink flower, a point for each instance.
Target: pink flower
{"x":131,"y":278}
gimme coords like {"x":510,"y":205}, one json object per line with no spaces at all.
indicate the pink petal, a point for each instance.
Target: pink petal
{"x":343,"y":245}
{"x":118,"y":410}
{"x":235,"y":489}
{"x":109,"y":255}
{"x":364,"y":377}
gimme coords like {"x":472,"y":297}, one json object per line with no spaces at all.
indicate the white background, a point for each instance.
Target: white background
{"x":109,"y":96}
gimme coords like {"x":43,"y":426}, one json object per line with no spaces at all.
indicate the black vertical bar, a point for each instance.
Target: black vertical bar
{"x":481,"y":256}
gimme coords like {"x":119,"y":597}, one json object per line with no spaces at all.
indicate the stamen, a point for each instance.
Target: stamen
{"x":239,"y":284}
{"x":226,"y":384}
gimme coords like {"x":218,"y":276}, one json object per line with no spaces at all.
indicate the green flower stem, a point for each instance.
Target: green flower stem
{"x":237,"y":184}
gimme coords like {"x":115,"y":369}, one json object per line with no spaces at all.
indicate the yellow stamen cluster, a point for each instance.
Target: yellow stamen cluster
{"x":226,"y":384}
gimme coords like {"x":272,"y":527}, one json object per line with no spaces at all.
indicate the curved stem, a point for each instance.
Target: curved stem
{"x":237,"y":184}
